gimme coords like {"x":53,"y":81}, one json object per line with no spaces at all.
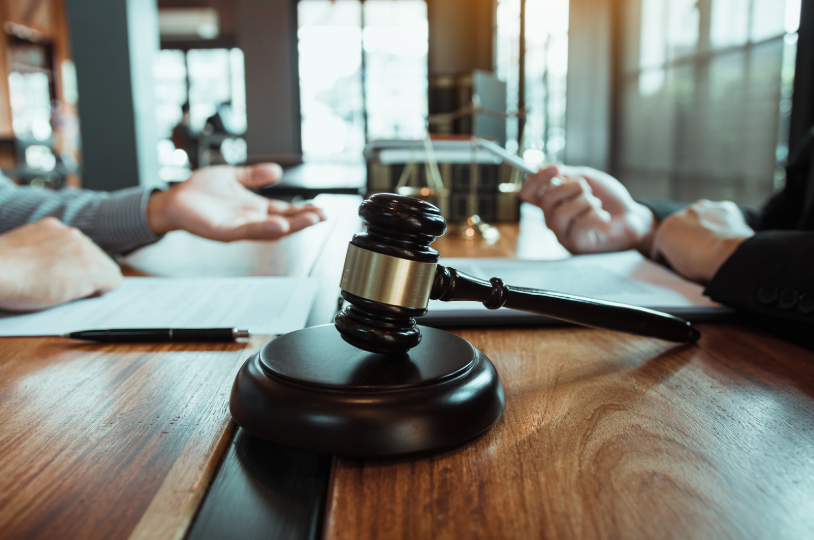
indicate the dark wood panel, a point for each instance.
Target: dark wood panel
{"x":264,"y":490}
{"x":610,"y":436}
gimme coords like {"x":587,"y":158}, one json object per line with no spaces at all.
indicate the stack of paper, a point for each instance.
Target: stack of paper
{"x":263,"y":305}
{"x":625,"y":277}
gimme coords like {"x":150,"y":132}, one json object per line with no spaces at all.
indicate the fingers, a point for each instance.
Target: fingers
{"x":557,"y":195}
{"x":273,"y":227}
{"x":303,"y":220}
{"x":103,"y":272}
{"x":258,"y":175}
{"x":107,"y":282}
{"x":285,"y":209}
{"x":588,"y":233}
{"x":535,"y":184}
{"x":562,"y":220}
{"x":575,"y":215}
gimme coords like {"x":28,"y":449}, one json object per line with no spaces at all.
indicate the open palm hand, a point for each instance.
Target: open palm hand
{"x":216,"y":204}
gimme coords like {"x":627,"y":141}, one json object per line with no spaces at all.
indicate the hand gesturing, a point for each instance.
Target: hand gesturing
{"x":214,"y":203}
{"x":589,"y":211}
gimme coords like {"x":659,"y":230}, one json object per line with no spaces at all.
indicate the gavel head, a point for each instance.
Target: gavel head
{"x":389,"y":272}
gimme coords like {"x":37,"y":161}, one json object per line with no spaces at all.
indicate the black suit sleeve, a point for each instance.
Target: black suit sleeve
{"x":771,"y":274}
{"x":786,"y":210}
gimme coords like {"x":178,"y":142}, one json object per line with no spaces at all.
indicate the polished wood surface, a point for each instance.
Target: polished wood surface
{"x":608,"y":435}
{"x":264,"y":491}
{"x":110,"y":441}
{"x":604,"y":436}
{"x":122,"y":440}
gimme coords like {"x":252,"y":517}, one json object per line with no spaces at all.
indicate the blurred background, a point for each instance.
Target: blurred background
{"x":680,"y":99}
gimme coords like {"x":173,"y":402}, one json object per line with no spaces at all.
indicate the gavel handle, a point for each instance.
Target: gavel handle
{"x":451,"y":285}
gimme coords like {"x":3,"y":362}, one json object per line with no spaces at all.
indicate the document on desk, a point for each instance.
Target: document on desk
{"x":625,"y":277}
{"x":263,"y":305}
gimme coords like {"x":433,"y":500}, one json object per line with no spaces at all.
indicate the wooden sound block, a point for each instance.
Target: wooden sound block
{"x":311,"y":390}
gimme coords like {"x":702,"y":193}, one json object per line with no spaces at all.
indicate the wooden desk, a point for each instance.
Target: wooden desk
{"x":604,"y":435}
{"x":118,"y":441}
{"x":610,"y":436}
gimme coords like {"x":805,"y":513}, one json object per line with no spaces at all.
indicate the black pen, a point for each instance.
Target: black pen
{"x":125,"y":335}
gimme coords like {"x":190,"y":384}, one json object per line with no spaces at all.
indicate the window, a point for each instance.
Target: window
{"x":30,"y":83}
{"x":507,"y":62}
{"x":706,"y":97}
{"x":331,"y":97}
{"x":207,"y":79}
{"x":363,"y":73}
{"x":210,"y":81}
{"x":395,"y":40}
{"x":170,"y":75}
{"x":544,"y":70}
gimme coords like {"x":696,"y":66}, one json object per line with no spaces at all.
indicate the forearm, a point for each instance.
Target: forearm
{"x":115,"y":221}
{"x":771,"y":274}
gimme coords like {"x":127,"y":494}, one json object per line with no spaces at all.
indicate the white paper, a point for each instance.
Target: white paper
{"x":263,"y":305}
{"x":625,"y":277}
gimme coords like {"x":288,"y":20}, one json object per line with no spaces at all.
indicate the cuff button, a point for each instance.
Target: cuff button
{"x":768,"y":294}
{"x":787,"y":300}
{"x":806,"y":304}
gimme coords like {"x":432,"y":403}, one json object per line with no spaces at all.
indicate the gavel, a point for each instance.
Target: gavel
{"x":391,"y":273}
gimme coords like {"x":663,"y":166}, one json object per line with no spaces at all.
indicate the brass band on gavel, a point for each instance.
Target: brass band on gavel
{"x":386,"y":279}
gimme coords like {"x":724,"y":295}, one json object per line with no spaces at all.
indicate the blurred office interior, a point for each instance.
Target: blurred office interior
{"x":681,"y":99}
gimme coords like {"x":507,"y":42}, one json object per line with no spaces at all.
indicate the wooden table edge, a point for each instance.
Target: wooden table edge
{"x":175,"y":504}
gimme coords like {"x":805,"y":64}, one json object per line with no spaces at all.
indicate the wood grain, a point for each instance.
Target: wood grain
{"x":173,"y":506}
{"x":122,"y":440}
{"x":610,"y":436}
{"x":91,"y":433}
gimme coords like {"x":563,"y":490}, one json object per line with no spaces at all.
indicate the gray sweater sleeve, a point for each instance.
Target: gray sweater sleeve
{"x":116,"y":221}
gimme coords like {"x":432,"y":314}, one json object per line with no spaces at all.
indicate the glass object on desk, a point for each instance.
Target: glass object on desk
{"x":474,"y":227}
{"x":234,"y":150}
